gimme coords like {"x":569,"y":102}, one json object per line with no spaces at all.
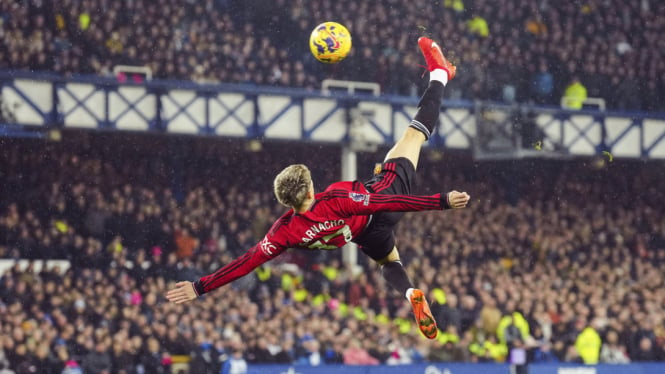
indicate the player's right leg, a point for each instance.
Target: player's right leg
{"x":395,"y":275}
{"x":422,"y":125}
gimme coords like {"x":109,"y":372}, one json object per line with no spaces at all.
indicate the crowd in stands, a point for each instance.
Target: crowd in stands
{"x":560,"y":259}
{"x":507,"y":50}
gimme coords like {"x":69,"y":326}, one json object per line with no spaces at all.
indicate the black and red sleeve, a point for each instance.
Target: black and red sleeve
{"x":241,"y":266}
{"x":368,"y":203}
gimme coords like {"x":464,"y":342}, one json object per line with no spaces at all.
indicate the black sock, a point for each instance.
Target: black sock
{"x":428,"y":109}
{"x":394,"y":273}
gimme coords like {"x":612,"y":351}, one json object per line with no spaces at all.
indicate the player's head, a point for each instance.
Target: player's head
{"x":292,"y":184}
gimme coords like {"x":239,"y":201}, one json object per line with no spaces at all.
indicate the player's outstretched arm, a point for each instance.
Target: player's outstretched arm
{"x":352,"y":202}
{"x":239,"y":267}
{"x":458,"y":200}
{"x":183,"y":292}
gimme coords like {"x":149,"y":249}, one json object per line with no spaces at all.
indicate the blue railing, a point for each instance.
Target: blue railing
{"x":40,"y":102}
{"x":453,"y":368}
{"x":460,"y":368}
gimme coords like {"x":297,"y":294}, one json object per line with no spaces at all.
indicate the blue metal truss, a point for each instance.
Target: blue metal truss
{"x":293,"y":103}
{"x":131,"y":108}
{"x":26,"y":99}
{"x":80,"y":104}
{"x":29,"y":99}
{"x":581,"y":130}
{"x":307,"y":133}
{"x":183,"y":109}
{"x":231,"y":113}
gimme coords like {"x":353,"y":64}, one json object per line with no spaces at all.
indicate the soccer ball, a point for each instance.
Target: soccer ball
{"x":330,"y":42}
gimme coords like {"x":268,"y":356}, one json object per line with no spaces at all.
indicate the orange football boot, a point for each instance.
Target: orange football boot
{"x":423,"y":314}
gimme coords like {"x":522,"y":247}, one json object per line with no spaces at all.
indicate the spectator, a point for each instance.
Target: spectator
{"x":511,"y":333}
{"x":448,"y":313}
{"x":543,"y":84}
{"x":236,"y":364}
{"x":574,"y":95}
{"x":572,"y":355}
{"x":312,"y":354}
{"x":153,"y":360}
{"x":72,"y":367}
{"x":543,"y":354}
{"x":198,"y":43}
{"x":587,"y":343}
{"x":260,"y":352}
{"x":205,"y":359}
{"x":288,"y":353}
{"x":354,"y":354}
{"x":98,"y":361}
{"x":646,"y":351}
{"x":612,"y":352}
{"x":562,"y":221}
{"x":478,"y":26}
{"x":333,"y":354}
{"x":627,"y":94}
{"x":185,"y":243}
{"x":490,"y":315}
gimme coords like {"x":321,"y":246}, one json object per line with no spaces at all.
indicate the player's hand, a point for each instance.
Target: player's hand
{"x":458,"y":200}
{"x":182,"y":293}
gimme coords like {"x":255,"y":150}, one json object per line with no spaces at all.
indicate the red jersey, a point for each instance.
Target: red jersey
{"x":337,"y":216}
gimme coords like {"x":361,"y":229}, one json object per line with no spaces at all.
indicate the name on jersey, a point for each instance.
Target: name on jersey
{"x":359,"y":197}
{"x":321,"y":226}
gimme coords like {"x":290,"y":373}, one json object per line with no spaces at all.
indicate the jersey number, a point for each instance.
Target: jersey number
{"x":323,"y":243}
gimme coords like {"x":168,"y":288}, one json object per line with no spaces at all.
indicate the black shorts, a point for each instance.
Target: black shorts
{"x":394,"y":178}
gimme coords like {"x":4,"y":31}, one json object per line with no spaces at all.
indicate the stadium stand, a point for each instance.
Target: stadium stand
{"x":561,"y":260}
{"x":508,"y":50}
{"x":563,"y":257}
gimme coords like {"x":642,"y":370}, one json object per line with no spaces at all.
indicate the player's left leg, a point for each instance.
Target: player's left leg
{"x":394,"y":273}
{"x":423,"y":124}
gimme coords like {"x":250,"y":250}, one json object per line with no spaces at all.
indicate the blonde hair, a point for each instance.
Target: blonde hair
{"x":292,"y":184}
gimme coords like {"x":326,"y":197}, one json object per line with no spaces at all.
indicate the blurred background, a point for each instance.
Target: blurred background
{"x":139,"y":140}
